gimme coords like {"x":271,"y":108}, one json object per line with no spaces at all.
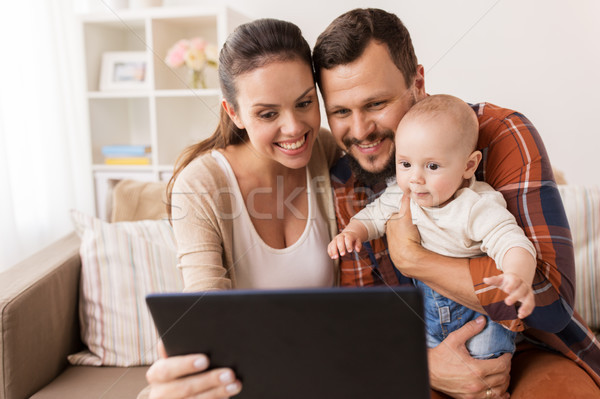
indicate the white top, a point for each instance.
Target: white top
{"x":304,"y":264}
{"x":474,"y":223}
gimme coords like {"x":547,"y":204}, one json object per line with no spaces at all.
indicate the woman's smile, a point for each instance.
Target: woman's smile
{"x":293,"y":146}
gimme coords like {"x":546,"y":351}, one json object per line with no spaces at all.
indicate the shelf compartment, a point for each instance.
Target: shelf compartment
{"x":104,"y":37}
{"x":183,"y":121}
{"x":118,"y":121}
{"x":166,"y":32}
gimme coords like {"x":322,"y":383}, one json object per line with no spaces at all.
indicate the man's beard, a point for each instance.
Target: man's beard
{"x":371,"y":178}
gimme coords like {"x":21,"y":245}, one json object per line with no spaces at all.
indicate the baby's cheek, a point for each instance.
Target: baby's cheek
{"x":402,"y":182}
{"x":443,"y":190}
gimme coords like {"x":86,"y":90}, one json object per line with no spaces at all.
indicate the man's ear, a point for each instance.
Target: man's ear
{"x":419,"y":83}
{"x":232,"y":114}
{"x":472,"y":164}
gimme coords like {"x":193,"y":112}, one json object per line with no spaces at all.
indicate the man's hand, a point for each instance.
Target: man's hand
{"x":517,"y":290}
{"x":404,"y":238}
{"x":454,"y":372}
{"x":414,"y":261}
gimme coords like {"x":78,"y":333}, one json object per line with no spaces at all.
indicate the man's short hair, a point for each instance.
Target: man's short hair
{"x":346,"y":38}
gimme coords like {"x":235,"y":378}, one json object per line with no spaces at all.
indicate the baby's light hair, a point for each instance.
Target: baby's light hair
{"x":449,"y":106}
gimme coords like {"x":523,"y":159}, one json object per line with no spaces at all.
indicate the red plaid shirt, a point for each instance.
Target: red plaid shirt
{"x":515,"y":163}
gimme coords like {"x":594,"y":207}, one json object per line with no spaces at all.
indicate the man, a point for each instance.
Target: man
{"x":369,"y":76}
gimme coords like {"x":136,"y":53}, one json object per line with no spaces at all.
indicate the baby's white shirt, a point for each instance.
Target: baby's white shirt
{"x":476,"y":222}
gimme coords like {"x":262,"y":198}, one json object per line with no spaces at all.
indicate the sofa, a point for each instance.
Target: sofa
{"x":40,"y":303}
{"x":40,"y":315}
{"x":40,"y":328}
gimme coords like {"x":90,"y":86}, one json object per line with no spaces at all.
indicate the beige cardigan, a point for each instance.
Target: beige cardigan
{"x":203,"y":223}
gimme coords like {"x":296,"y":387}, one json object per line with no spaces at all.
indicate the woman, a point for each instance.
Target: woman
{"x":251,"y":205}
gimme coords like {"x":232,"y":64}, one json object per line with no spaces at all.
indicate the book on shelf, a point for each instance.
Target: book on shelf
{"x":114,"y":151}
{"x":127,"y":161}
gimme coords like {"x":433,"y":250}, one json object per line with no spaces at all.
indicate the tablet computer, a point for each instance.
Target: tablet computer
{"x":306,"y":344}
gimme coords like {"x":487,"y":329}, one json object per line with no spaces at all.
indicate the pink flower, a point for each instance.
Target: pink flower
{"x":195,"y":53}
{"x":177,"y":54}
{"x":195,"y":59}
{"x":198,"y":43}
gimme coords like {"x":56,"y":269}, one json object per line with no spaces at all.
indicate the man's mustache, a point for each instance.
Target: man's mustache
{"x":375,"y":136}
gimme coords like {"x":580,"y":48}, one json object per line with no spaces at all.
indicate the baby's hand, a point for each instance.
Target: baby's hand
{"x":517,"y":290}
{"x":346,"y":241}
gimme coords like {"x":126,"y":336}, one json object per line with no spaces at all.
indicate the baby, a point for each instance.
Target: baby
{"x":457,"y":216}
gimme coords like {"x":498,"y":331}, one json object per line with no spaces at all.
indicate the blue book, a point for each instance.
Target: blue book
{"x":125,"y":150}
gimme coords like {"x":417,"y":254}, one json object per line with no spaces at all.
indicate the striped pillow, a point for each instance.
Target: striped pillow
{"x":121,"y":264}
{"x":582,"y":205}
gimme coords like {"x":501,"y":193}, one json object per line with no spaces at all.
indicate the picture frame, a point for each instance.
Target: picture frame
{"x":124,"y":70}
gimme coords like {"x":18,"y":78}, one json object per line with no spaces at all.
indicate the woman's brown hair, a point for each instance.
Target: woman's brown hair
{"x":250,"y":46}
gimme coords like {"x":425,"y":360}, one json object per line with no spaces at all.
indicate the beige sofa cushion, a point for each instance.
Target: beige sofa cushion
{"x":122,"y":263}
{"x":95,"y":382}
{"x":136,"y":200}
{"x":582,"y":206}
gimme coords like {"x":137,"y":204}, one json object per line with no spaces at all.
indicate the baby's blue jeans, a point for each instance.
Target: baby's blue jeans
{"x":442,"y":316}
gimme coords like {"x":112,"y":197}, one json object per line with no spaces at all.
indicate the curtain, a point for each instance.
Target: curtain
{"x":45,"y":163}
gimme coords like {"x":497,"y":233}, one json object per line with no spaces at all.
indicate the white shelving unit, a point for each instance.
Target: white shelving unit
{"x":166,"y":115}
